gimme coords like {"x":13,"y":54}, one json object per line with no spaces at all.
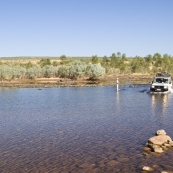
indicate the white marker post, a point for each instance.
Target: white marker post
{"x":117,"y":84}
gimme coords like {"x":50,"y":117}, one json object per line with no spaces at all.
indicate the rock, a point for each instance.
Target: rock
{"x":112,"y":163}
{"x":164,"y":148}
{"x":155,"y":154}
{"x":146,"y":149}
{"x":145,"y":154}
{"x":158,"y":144}
{"x":147,"y":168}
{"x":167,"y":145}
{"x":146,"y":144}
{"x":155,"y":166}
{"x":123,"y":159}
{"x":158,"y":150}
{"x":171,"y":143}
{"x":159,"y":140}
{"x":161,"y":132}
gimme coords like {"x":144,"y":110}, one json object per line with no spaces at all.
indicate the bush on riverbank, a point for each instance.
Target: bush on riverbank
{"x":83,"y":67}
{"x":72,"y":70}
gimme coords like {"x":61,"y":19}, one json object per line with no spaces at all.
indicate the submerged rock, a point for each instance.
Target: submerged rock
{"x":147,"y":168}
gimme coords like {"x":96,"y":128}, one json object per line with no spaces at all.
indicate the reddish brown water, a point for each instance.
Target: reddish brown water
{"x":82,"y":130}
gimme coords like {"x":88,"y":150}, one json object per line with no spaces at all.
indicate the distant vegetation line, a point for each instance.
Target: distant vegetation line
{"x":94,"y":67}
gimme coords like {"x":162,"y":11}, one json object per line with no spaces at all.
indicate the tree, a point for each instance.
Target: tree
{"x":55,"y":63}
{"x":166,"y":63}
{"x":28,"y":65}
{"x":44,"y":62}
{"x":119,"y":54}
{"x":138,"y":64}
{"x":158,"y":59}
{"x":113,"y":55}
{"x":115,"y":61}
{"x":63,"y":58}
{"x":105,"y":60}
{"x":149,"y":59}
{"x":94,"y":59}
{"x":124,"y":57}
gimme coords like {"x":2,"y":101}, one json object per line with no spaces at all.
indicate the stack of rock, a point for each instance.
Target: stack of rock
{"x":160,"y":142}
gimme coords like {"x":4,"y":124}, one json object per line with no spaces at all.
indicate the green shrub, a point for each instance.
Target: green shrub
{"x":34,"y":72}
{"x":6,"y":72}
{"x":63,"y":72}
{"x":77,"y":69}
{"x":94,"y":71}
{"x":18,"y":72}
{"x":49,"y":71}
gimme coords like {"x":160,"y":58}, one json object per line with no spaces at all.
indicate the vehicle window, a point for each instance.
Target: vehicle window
{"x":160,"y":80}
{"x":165,"y":80}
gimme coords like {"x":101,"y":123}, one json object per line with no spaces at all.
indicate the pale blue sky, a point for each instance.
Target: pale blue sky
{"x":85,"y":27}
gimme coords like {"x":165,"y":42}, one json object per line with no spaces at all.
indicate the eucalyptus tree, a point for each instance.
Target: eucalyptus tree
{"x":116,"y":62}
{"x":119,"y":54}
{"x":106,"y":63}
{"x":158,"y":59}
{"x":166,"y":59}
{"x":94,"y":59}
{"x":124,"y":57}
{"x":149,"y":59}
{"x":166,"y":63}
{"x":105,"y":60}
{"x":139,"y":64}
{"x":29,"y":65}
{"x":43,"y":62}
{"x":63,"y":58}
{"x":157,"y":56}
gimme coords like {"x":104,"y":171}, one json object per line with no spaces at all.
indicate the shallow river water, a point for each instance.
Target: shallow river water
{"x":82,"y":130}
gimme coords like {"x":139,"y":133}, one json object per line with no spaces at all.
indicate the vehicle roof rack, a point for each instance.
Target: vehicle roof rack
{"x":163,"y":74}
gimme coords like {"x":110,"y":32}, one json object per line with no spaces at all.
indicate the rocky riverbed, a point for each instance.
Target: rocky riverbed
{"x":157,"y":144}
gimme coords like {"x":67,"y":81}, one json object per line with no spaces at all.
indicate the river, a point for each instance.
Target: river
{"x":82,"y":129}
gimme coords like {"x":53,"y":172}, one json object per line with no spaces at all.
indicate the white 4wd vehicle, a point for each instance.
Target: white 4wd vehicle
{"x":161,"y":83}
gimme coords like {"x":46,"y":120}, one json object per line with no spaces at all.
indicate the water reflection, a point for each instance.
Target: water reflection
{"x":117,"y":101}
{"x":161,"y":102}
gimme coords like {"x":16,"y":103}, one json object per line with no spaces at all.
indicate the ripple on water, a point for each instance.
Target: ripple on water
{"x":82,"y":129}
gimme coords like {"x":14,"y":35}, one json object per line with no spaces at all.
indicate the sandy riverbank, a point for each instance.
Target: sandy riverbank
{"x":108,"y":80}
